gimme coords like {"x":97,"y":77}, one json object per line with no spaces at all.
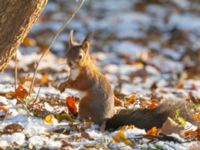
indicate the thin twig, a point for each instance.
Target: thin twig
{"x":37,"y":95}
{"x":16,"y":76}
{"x":53,"y":40}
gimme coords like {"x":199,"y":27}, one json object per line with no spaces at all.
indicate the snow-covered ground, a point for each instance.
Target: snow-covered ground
{"x":147,"y":48}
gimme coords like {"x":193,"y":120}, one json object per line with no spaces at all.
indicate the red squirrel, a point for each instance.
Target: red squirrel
{"x":97,"y":101}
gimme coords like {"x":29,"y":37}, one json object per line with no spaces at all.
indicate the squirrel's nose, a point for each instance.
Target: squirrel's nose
{"x":70,"y":64}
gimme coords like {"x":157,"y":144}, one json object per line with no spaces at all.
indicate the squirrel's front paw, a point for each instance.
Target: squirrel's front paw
{"x":61,"y":87}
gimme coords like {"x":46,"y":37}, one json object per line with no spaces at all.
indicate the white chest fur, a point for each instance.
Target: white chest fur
{"x":74,"y":73}
{"x":82,"y":94}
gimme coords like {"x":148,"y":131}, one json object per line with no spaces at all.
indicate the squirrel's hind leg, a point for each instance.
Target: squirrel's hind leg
{"x":84,"y":110}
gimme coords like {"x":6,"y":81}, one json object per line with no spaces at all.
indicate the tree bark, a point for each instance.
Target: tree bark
{"x":16,"y":19}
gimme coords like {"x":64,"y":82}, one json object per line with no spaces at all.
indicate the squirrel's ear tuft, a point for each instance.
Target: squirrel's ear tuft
{"x":86,"y":41}
{"x":88,"y":38}
{"x":71,"y":39}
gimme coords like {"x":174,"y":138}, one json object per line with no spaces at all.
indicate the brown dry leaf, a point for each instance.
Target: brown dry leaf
{"x":180,"y":84}
{"x":45,"y":79}
{"x":2,"y":117}
{"x":192,"y":98}
{"x":196,"y":117}
{"x":130,"y":100}
{"x":8,"y":95}
{"x":3,"y":108}
{"x":29,"y":42}
{"x":138,"y":64}
{"x":12,"y":128}
{"x":22,"y":80}
{"x":153,"y":132}
{"x":86,"y":135}
{"x":21,"y":92}
{"x":70,"y":103}
{"x":66,"y":144}
{"x":118,"y":102}
{"x":170,"y":126}
{"x":192,"y":133}
{"x":144,"y":103}
{"x":154,"y":86}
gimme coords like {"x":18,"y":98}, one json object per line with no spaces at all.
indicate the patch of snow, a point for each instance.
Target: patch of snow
{"x":166,"y":65}
{"x":48,"y":107}
{"x":186,"y":22}
{"x":128,"y":48}
{"x":7,"y":140}
{"x":185,"y":4}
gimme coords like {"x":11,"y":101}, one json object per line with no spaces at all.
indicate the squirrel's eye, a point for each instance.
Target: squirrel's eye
{"x":80,"y":57}
{"x":70,"y":64}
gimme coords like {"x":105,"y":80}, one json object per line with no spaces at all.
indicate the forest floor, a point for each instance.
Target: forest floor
{"x":148,"y":50}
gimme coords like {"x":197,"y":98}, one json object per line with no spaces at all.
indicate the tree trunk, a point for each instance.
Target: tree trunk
{"x":16,"y":19}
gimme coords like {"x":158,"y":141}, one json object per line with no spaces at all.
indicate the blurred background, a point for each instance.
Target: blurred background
{"x":139,"y":44}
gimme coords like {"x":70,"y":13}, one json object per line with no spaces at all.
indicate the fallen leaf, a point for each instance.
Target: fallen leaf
{"x":45,"y":79}
{"x":48,"y":119}
{"x":192,"y":133}
{"x":130,"y":100}
{"x":86,"y":135}
{"x":2,"y":117}
{"x":70,"y":103}
{"x":29,"y":42}
{"x":8,"y":95}
{"x":121,"y":137}
{"x":66,"y":144}
{"x":24,"y":79}
{"x":64,"y":116}
{"x":3,"y":108}
{"x":154,"y":86}
{"x":193,"y":98}
{"x":21,"y":92}
{"x":196,"y":117}
{"x":61,"y":130}
{"x":170,"y":126}
{"x":12,"y":128}
{"x":153,"y":105}
{"x":118,"y":102}
{"x":138,"y":64}
{"x":153,"y":132}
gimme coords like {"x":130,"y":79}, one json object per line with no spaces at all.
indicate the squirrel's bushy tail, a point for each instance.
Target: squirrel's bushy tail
{"x":148,"y":118}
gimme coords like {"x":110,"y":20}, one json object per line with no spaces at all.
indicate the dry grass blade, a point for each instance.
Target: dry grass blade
{"x":53,"y":40}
